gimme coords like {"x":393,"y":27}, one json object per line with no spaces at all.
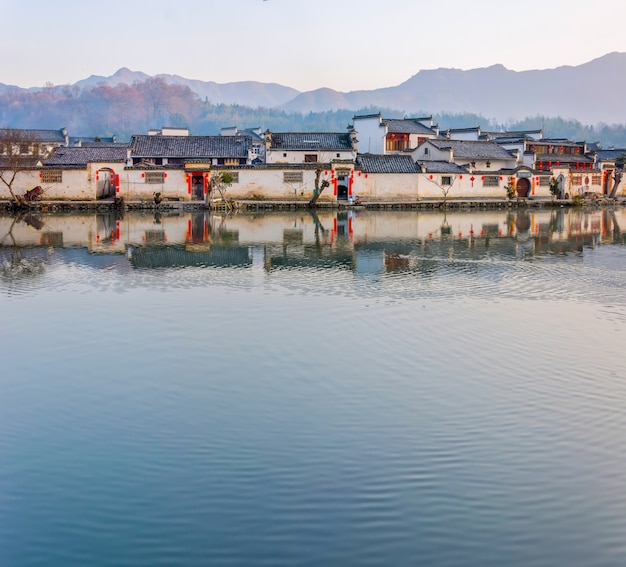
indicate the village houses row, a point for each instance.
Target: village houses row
{"x":377,"y":159}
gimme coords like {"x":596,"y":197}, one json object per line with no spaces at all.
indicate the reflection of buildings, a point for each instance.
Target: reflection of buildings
{"x":353,"y":241}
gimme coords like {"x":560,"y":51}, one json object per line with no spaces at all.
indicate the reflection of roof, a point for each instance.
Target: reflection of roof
{"x":441,"y":167}
{"x":376,"y":163}
{"x":190,"y":146}
{"x":85,"y":155}
{"x":472,"y":149}
{"x":180,"y":256}
{"x":311,"y":141}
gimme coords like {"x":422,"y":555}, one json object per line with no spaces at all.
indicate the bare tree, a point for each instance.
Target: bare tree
{"x":16,"y":154}
{"x":321,"y":179}
{"x":219,"y":182}
{"x":445,"y":189}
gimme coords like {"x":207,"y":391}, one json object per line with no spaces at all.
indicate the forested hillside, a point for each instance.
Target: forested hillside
{"x":123,"y":110}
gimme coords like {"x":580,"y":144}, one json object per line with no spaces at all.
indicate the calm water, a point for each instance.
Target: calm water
{"x":342,"y":389}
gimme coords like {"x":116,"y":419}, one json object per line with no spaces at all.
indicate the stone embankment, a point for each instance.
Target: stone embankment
{"x":107,"y":205}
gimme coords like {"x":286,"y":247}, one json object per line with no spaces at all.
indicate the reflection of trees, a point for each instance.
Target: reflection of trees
{"x":13,"y":266}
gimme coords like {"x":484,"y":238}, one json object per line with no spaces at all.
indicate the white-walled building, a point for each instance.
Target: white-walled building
{"x":378,"y":135}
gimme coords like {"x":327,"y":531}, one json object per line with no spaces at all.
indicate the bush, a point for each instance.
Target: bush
{"x":578,"y":200}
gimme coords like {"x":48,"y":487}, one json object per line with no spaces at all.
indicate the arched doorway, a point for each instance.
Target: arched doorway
{"x":105,"y":183}
{"x":523,"y":187}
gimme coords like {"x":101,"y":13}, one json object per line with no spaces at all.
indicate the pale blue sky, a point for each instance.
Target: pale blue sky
{"x":305,"y":44}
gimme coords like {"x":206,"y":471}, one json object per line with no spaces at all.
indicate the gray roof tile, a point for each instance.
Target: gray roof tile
{"x":406,"y":126}
{"x":376,"y":163}
{"x":190,"y":147}
{"x":84,"y":155}
{"x":472,"y":149}
{"x":329,"y":141}
{"x":52,"y":136}
{"x":432,"y":166}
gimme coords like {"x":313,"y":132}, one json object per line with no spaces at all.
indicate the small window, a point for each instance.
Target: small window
{"x":284,"y":155}
{"x":487,"y":164}
{"x":235,"y":175}
{"x":544,"y":181}
{"x":293,"y":177}
{"x":52,"y":176}
{"x":491,"y":181}
{"x":446,"y":180}
{"x":310,"y":158}
{"x":154,"y":176}
{"x":426,"y":151}
{"x":338,"y":155}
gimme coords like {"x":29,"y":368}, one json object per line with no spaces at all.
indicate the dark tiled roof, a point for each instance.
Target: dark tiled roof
{"x":93,"y":141}
{"x":610,"y":154}
{"x":85,"y":155}
{"x":406,"y":126}
{"x":25,"y":162}
{"x":190,"y":147}
{"x":472,"y":149}
{"x":329,"y":141}
{"x":563,"y":158}
{"x":431,"y":166}
{"x":376,"y":163}
{"x":53,"y":136}
{"x":513,"y":134}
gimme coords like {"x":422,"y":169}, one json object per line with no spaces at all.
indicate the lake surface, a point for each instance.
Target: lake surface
{"x":394,"y":388}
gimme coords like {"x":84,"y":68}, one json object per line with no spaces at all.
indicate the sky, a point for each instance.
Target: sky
{"x":305,"y":44}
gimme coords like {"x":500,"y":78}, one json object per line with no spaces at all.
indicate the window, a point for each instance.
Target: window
{"x":52,"y":176}
{"x":426,"y":152}
{"x":154,"y":176}
{"x":235,"y":175}
{"x":491,"y":181}
{"x":310,"y":158}
{"x":577,"y":179}
{"x":393,"y":145}
{"x":544,"y":181}
{"x":487,"y":164}
{"x":595,"y":178}
{"x":292,"y":177}
{"x":446,"y":180}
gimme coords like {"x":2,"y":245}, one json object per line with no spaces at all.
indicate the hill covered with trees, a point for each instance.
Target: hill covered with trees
{"x":123,"y":110}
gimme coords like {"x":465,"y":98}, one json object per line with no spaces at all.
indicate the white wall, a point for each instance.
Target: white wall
{"x":296,"y":157}
{"x":370,"y":135}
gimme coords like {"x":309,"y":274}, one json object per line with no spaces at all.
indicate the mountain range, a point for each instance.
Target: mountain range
{"x":591,"y":93}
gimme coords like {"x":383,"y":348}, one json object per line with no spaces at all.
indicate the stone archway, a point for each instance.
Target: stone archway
{"x":522,"y":187}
